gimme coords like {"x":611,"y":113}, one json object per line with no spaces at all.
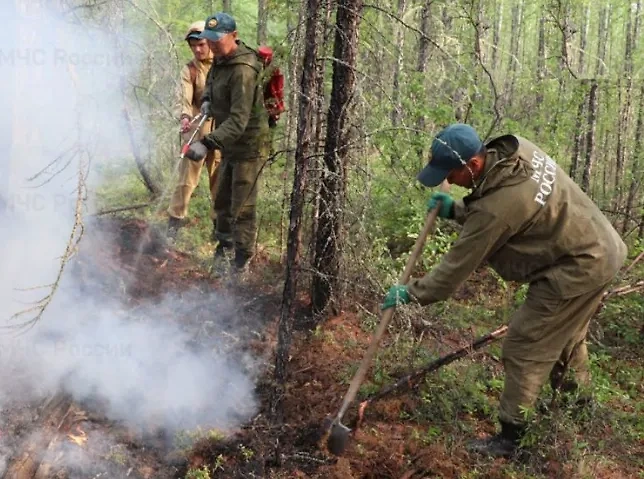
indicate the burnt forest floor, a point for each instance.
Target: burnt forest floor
{"x":411,"y":435}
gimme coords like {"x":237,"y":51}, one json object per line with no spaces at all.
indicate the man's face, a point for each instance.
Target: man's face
{"x":460,"y":177}
{"x":200,"y":48}
{"x":225,"y":45}
{"x":466,"y":174}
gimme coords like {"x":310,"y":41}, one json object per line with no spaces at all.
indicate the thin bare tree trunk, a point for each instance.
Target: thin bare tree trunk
{"x":624,"y":116}
{"x":424,"y":46}
{"x":291,"y":113}
{"x":541,"y":59}
{"x":396,"y":109}
{"x":579,"y":138}
{"x":423,"y":42}
{"x":136,"y":150}
{"x":496,"y":35}
{"x":227,"y":6}
{"x":637,"y":175}
{"x":319,"y":124}
{"x":262,"y":22}
{"x":328,"y":245}
{"x":517,"y":11}
{"x":583,"y":41}
{"x":304,"y":132}
{"x":590,"y":136}
{"x":602,"y":40}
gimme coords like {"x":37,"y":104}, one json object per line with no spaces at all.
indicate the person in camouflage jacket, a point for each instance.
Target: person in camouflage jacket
{"x":234,"y":98}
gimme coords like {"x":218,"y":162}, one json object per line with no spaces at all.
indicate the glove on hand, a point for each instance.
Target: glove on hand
{"x":205,"y":108}
{"x":197,"y":151}
{"x":185,"y":124}
{"x":396,"y":296}
{"x":447,"y":204}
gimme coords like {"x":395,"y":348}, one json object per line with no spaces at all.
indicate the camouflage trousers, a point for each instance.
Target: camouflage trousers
{"x":545,"y":333}
{"x":235,"y":205}
{"x":189,"y":176}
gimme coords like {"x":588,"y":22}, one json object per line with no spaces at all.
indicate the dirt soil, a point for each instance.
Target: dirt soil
{"x":136,"y":256}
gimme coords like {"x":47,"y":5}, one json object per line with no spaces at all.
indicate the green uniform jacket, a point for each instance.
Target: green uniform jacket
{"x":234,"y":91}
{"x":530,"y":221}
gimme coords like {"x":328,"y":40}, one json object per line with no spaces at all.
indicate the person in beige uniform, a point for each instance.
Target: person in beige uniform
{"x":192,"y":86}
{"x":529,"y":221}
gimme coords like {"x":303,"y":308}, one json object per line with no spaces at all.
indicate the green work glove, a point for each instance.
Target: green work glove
{"x":396,"y":296}
{"x":447,"y":204}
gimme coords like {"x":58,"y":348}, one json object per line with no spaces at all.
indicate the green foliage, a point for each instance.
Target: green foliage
{"x":184,"y":439}
{"x":621,"y":319}
{"x":201,"y":473}
{"x":246,"y":452}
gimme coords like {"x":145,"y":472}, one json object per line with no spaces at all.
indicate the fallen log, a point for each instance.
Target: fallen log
{"x":58,"y":416}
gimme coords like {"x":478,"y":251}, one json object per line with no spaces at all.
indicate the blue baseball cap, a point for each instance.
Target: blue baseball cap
{"x":217,"y":26}
{"x":452,"y":148}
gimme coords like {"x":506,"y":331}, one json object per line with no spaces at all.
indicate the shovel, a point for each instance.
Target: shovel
{"x":339,"y":433}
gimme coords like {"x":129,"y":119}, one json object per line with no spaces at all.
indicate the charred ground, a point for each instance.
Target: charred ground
{"x":413,"y":435}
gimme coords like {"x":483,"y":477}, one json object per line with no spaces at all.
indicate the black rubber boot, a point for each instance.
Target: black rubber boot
{"x":174,"y":224}
{"x":504,"y":444}
{"x":221,"y":259}
{"x":241,"y":261}
{"x":213,"y":235}
{"x":223,"y":250}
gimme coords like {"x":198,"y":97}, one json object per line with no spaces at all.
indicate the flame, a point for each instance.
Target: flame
{"x":80,"y":439}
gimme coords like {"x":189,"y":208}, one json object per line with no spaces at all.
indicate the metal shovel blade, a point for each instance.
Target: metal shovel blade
{"x":338,"y":438}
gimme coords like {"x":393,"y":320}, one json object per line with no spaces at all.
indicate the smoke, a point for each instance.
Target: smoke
{"x":61,"y":104}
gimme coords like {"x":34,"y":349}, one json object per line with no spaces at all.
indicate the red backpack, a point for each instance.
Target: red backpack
{"x":273,"y":86}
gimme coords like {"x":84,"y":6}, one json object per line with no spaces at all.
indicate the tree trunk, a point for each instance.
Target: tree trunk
{"x":541,"y":60}
{"x":424,"y":43}
{"x":590,"y":136}
{"x":227,"y":6}
{"x":262,"y":22}
{"x":328,"y":246}
{"x":517,"y":10}
{"x":579,"y":138}
{"x":479,"y":34}
{"x":304,"y":131}
{"x":136,"y":151}
{"x":583,"y":41}
{"x":424,"y":46}
{"x":624,"y":115}
{"x":637,"y":175}
{"x":148,"y":181}
{"x":291,"y":113}
{"x":319,"y":123}
{"x":396,"y":110}
{"x":496,"y":35}
{"x":602,"y":39}
{"x":564,"y":27}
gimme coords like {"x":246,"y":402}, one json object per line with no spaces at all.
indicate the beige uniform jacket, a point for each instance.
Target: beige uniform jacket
{"x":530,"y":221}
{"x":190,"y":94}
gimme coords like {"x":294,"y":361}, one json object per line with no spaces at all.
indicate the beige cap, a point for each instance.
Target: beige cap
{"x":195,"y":29}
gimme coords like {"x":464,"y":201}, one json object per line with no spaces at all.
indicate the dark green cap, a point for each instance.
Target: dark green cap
{"x":217,"y":26}
{"x":452,"y":148}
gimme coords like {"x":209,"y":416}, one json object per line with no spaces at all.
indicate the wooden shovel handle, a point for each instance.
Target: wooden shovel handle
{"x":430,"y":221}
{"x":388,"y":313}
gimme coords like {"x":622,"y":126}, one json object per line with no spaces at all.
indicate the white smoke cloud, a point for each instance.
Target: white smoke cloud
{"x":61,"y":99}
